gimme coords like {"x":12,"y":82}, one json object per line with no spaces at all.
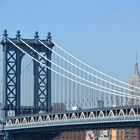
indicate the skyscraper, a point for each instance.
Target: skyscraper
{"x":133,"y":133}
{"x":134,"y":81}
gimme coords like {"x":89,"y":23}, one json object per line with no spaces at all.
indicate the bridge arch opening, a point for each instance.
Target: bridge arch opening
{"x":48,"y":118}
{"x":132,"y":112}
{"x":64,"y":117}
{"x":9,"y":122}
{"x":111,"y":113}
{"x":73,"y":116}
{"x":82,"y":116}
{"x":17,"y":121}
{"x":91,"y":115}
{"x":121,"y":113}
{"x":32,"y":120}
{"x":56,"y":118}
{"x":101,"y":114}
{"x":27,"y":84}
{"x":24,"y":121}
{"x":40,"y":119}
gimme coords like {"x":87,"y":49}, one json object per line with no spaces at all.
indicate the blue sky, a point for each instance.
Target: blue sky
{"x":103,"y":33}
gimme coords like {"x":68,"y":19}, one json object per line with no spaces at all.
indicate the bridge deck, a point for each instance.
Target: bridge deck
{"x":78,"y":119}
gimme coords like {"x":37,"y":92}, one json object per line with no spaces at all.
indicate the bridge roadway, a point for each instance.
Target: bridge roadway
{"x":114,"y":117}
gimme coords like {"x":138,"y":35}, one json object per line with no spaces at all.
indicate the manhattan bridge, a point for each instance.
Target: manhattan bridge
{"x":38,"y":76}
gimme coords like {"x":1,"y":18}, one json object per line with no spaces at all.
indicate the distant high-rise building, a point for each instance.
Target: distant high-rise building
{"x":133,"y":133}
{"x":130,"y":133}
{"x":134,"y":81}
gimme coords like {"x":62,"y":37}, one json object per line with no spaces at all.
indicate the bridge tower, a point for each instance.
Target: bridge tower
{"x":12,"y":72}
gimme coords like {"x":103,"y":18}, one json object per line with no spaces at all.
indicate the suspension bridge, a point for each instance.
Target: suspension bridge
{"x":46,"y":89}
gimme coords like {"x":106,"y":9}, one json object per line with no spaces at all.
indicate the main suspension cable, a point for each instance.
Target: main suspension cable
{"x":85,"y":70}
{"x":131,"y":96}
{"x":68,"y":71}
{"x":82,"y":62}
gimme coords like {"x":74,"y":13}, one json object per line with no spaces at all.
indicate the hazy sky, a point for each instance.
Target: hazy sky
{"x":103,"y":33}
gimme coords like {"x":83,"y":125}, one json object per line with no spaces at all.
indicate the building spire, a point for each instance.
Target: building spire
{"x":136,"y":67}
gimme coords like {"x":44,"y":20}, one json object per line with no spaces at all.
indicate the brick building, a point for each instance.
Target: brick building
{"x":72,"y":135}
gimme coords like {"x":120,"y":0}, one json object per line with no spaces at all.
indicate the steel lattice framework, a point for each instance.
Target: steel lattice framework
{"x":12,"y":71}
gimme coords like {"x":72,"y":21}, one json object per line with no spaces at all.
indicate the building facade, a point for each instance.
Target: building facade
{"x":72,"y":135}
